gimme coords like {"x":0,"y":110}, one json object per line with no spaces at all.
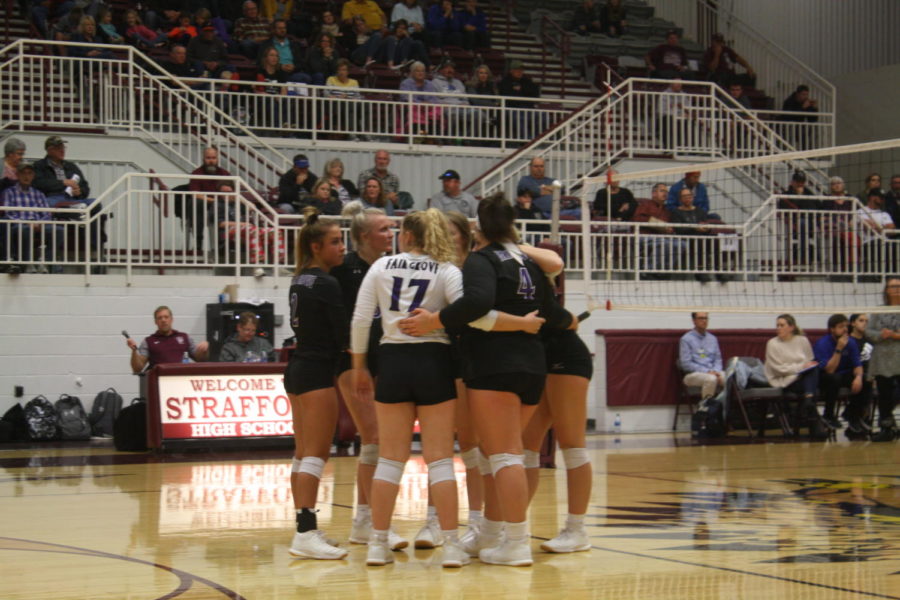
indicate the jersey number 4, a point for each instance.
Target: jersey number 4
{"x":526,"y":285}
{"x":420,"y":284}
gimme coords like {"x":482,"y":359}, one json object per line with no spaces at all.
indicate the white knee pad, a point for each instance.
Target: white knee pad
{"x":470,"y":458}
{"x":312,"y":465}
{"x":484,"y":465}
{"x":532,"y":459}
{"x":441,"y":470}
{"x":368,"y":454}
{"x":501,"y":461}
{"x":295,"y":465}
{"x":575,"y":457}
{"x":389,"y":470}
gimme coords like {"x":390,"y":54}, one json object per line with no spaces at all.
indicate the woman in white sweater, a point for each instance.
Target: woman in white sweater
{"x":790,"y":365}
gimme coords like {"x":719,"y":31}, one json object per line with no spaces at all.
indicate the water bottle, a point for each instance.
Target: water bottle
{"x":185,"y":358}
{"x":617,"y":424}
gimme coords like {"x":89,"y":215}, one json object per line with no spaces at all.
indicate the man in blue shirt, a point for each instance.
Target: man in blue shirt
{"x":700,"y":357}
{"x":691,"y":181}
{"x":839,"y":366}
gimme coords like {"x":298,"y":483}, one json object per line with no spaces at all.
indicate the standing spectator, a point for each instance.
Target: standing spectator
{"x":412,"y":13}
{"x":672,"y":117}
{"x":298,"y":178}
{"x":13,"y":154}
{"x":521,"y":124}
{"x":804,"y":110}
{"x":884,"y":366}
{"x":892,"y":199}
{"x":839,"y":227}
{"x":211,"y":52}
{"x":452,"y":197}
{"x":692,"y":182}
{"x":700,"y":358}
{"x":873,"y":182}
{"x":290,"y":53}
{"x":612,"y":18}
{"x":443,"y":26}
{"x":719,"y":61}
{"x":342,"y":189}
{"x":620,"y":199}
{"x":587,"y":18}
{"x":166,"y":345}
{"x":22,"y":235}
{"x":373,"y":196}
{"x":668,"y":60}
{"x":473,"y":26}
{"x":369,"y":10}
{"x":736,"y":91}
{"x":401,"y":48}
{"x":840,"y":366}
{"x":251,"y":30}
{"x":244,"y":345}
{"x":539,"y":184}
{"x":323,"y":59}
{"x":389,"y":182}
{"x":205,"y":206}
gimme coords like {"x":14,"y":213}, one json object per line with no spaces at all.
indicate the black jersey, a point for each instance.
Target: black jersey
{"x":350,"y":275}
{"x":318,"y":317}
{"x":493,"y":278}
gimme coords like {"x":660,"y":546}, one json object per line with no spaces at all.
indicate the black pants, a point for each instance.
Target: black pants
{"x":830,"y":384}
{"x":887,"y":386}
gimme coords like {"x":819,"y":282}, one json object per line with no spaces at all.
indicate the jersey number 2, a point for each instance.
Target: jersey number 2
{"x":421,"y":284}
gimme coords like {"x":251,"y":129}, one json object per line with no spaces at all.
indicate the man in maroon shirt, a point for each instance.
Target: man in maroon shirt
{"x":166,"y":345}
{"x":205,"y":208}
{"x":669,"y":60}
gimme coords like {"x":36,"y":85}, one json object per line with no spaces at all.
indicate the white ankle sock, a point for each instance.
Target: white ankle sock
{"x":450,"y":535}
{"x":432,"y":513}
{"x":475,"y":517}
{"x":575,"y":522}
{"x":380,"y":535}
{"x":517,"y":531}
{"x":489,"y":527}
{"x":363,"y":512}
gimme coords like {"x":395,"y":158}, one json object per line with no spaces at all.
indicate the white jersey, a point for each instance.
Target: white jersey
{"x":397,"y":285}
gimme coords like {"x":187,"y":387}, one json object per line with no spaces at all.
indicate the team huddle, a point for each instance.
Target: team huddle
{"x":483,"y":355}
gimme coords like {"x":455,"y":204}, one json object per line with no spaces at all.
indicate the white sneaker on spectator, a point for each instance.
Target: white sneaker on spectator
{"x":568,"y":540}
{"x":378,"y":554}
{"x":396,"y":542}
{"x":454,"y":555}
{"x":509,"y":552}
{"x":360,"y":531}
{"x":310,"y":544}
{"x":430,"y":535}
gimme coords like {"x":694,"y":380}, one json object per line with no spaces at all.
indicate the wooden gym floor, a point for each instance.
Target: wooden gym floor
{"x":668,"y":519}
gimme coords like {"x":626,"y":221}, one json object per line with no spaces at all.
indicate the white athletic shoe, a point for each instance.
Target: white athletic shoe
{"x":430,"y":535}
{"x":311,"y":544}
{"x":379,"y":554}
{"x":568,"y":540}
{"x":454,"y":555}
{"x":475,"y":544}
{"x":326,"y":539}
{"x":470,"y":533}
{"x":510,"y":553}
{"x":396,"y":542}
{"x":360,"y":531}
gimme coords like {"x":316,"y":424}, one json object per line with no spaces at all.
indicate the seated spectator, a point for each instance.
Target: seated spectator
{"x":13,"y":154}
{"x":290,"y":54}
{"x":700,"y":358}
{"x":859,"y":414}
{"x":244,"y":345}
{"x":540,"y":186}
{"x":320,"y":197}
{"x":473,"y":26}
{"x":699,"y":252}
{"x":840,"y":199}
{"x":525,"y":208}
{"x":211,"y":52}
{"x":171,"y":17}
{"x":719,"y":61}
{"x":104,"y":20}
{"x":87,"y":34}
{"x":442,"y":25}
{"x":373,"y":196}
{"x":207,"y":206}
{"x":363,"y":43}
{"x":587,"y":18}
{"x":452,"y":197}
{"x":883,"y":331}
{"x":692,"y":182}
{"x":673,"y":117}
{"x":460,"y":121}
{"x":139,"y":34}
{"x":346,"y":116}
{"x":669,"y":60}
{"x":303,"y":23}
{"x":412,"y":13}
{"x":179,"y":66}
{"x":184,"y":32}
{"x":251,"y":30}
{"x":342,"y":189}
{"x":259,"y":243}
{"x":612,"y":18}
{"x":520,"y":124}
{"x":736,"y":91}
{"x":203,"y":18}
{"x":803,"y":109}
{"x":875,"y":223}
{"x":368,"y":10}
{"x":298,"y":178}
{"x":67,"y":25}
{"x":342,"y":79}
{"x":323,"y":59}
{"x":482,"y":83}
{"x":272,"y":115}
{"x":657,"y":247}
{"x":840,"y":226}
{"x":873,"y":182}
{"x":401,"y":49}
{"x":424,"y":114}
{"x":791,"y":365}
{"x":275,"y":10}
{"x":166,"y":345}
{"x":840,"y":366}
{"x":389,"y":181}
{"x":22,"y":194}
{"x":330,"y":26}
{"x":59,"y":179}
{"x":41,"y":12}
{"x":620,"y":199}
{"x":892,"y":199}
{"x":797,"y":187}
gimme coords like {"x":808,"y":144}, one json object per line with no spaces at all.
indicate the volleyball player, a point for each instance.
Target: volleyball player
{"x":372,"y":236}
{"x":320,"y":325}
{"x":503,"y":371}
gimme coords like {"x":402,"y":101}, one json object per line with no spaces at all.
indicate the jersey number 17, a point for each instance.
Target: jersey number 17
{"x":397,"y":289}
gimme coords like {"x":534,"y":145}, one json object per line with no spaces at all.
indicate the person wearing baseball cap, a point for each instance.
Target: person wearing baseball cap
{"x":719,"y":61}
{"x":23,"y":194}
{"x":691,"y":181}
{"x":296,"y":182}
{"x":452,"y":197}
{"x":59,"y":179}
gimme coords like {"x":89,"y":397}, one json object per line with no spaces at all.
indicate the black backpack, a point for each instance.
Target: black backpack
{"x":106,"y":408}
{"x":41,"y":419}
{"x":71,"y":419}
{"x":14,"y":425}
{"x":130,"y":429}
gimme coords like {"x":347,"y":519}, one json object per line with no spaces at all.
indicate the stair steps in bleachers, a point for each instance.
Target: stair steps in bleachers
{"x":12,"y":25}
